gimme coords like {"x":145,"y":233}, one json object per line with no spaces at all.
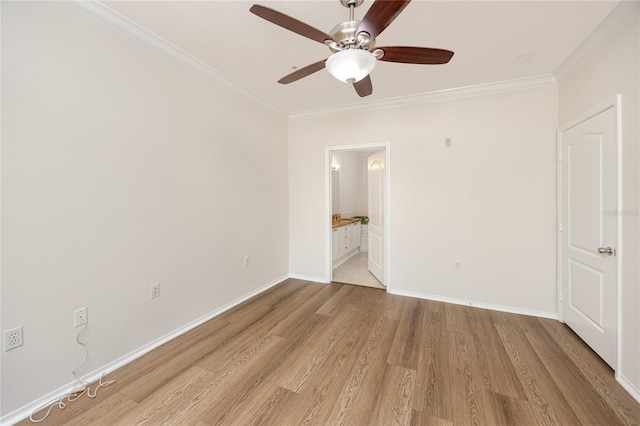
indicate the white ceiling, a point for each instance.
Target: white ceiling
{"x":487,"y":37}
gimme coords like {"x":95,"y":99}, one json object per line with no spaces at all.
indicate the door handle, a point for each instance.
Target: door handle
{"x":606,"y":250}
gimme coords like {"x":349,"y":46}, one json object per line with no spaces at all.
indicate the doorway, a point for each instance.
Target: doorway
{"x":590,"y":227}
{"x":349,"y":257}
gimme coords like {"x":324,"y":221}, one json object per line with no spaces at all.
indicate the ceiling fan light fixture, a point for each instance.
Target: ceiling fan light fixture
{"x":351,"y":65}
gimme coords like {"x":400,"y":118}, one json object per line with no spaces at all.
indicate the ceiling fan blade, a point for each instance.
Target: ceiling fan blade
{"x":416,"y":55}
{"x":364,"y":87}
{"x":302,"y":72}
{"x":290,"y":23}
{"x":380,"y":15}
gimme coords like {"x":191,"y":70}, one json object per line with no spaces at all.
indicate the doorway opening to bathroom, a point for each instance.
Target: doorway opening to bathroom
{"x":357,"y":206}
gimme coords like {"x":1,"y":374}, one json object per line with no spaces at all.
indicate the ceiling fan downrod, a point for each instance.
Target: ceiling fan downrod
{"x":351,"y":4}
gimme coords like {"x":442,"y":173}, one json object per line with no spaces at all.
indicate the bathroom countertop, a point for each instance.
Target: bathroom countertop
{"x":345,"y":222}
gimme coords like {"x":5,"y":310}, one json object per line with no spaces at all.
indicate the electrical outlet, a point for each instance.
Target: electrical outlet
{"x":247,"y":261}
{"x":155,"y":290}
{"x":12,"y":338}
{"x":457,"y":265}
{"x":80,"y":317}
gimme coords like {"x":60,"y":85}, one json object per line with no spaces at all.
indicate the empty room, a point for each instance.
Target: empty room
{"x":321,"y":212}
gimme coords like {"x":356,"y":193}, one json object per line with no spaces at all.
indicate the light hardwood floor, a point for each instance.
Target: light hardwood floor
{"x":328,"y":354}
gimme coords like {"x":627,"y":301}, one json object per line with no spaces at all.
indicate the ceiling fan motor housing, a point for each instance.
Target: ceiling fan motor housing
{"x":345,"y":36}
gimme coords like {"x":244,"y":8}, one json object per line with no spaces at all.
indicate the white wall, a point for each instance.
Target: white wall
{"x":120,"y":169}
{"x":489,"y":200}
{"x":614,"y":68}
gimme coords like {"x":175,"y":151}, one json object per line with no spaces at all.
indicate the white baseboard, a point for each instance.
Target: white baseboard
{"x":629,"y":387}
{"x":501,"y":308}
{"x":309,"y":278}
{"x":25,"y":411}
{"x":344,"y":258}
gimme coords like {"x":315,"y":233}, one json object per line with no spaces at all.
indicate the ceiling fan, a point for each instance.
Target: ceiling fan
{"x":353,"y":44}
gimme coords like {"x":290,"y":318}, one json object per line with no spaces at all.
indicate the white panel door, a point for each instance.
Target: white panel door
{"x":375,"y":167}
{"x":589,"y":231}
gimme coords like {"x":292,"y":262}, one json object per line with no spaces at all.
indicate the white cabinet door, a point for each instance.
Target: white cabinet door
{"x":345,"y":239}
{"x":335,"y":244}
{"x":340,"y":242}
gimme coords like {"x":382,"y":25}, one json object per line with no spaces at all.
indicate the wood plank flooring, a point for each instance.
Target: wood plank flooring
{"x":304,"y":353}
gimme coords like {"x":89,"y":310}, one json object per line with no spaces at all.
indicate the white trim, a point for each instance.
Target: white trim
{"x":491,"y":306}
{"x":387,"y":205}
{"x":629,"y":387}
{"x":328,"y":238}
{"x":612,"y":102}
{"x":341,"y":261}
{"x":117,"y":22}
{"x":25,"y":411}
{"x":442,"y":95}
{"x":125,"y":26}
{"x":591,"y":112}
{"x":616,"y":17}
{"x":559,"y":223}
{"x":309,"y":278}
{"x":618,"y":106}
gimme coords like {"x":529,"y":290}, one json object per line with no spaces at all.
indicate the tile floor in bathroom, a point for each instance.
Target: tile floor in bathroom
{"x":355,"y":271}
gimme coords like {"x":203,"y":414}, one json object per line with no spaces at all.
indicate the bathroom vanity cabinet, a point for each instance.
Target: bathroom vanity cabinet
{"x":345,"y":242}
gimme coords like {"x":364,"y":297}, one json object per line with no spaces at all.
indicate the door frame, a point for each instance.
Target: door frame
{"x":386,"y":146}
{"x":613,"y":102}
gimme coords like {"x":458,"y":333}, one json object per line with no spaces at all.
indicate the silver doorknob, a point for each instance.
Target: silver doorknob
{"x":606,"y":250}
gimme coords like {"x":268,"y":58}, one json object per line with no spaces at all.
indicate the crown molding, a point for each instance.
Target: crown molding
{"x":441,"y":95}
{"x":112,"y":19}
{"x":614,"y":19}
